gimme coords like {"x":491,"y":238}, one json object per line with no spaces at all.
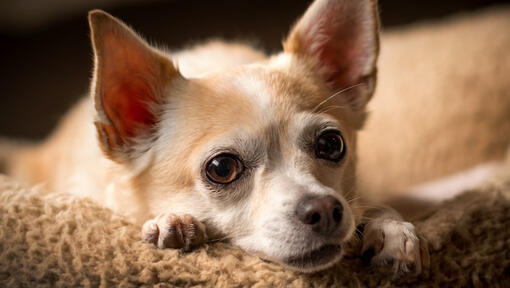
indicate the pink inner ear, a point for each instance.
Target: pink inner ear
{"x":340,"y":52}
{"x":342,"y":36}
{"x":128,"y":109}
{"x":127,"y":88}
{"x":341,"y":64}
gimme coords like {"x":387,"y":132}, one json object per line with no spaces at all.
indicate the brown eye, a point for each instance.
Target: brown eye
{"x":330,"y":146}
{"x":224,"y":169}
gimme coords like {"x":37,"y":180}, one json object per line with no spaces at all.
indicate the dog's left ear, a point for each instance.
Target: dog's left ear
{"x":341,"y":38}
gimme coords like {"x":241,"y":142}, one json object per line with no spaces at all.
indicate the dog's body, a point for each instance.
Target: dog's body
{"x":163,"y":137}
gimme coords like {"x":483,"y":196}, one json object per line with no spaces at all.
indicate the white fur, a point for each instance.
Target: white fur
{"x":400,"y":245}
{"x":451,"y":186}
{"x":256,"y":90}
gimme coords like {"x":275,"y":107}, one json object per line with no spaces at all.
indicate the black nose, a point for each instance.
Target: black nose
{"x":322,"y":213}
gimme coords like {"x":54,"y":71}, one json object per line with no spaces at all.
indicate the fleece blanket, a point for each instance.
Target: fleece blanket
{"x":59,"y":240}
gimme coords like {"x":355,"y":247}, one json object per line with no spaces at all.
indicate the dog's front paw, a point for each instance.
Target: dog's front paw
{"x":395,"y":247}
{"x":172,"y":231}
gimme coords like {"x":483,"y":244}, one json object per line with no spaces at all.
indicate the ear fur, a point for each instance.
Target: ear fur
{"x":127,"y":87}
{"x":341,"y":39}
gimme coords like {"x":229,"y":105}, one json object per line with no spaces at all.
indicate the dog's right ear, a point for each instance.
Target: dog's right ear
{"x":128,"y":86}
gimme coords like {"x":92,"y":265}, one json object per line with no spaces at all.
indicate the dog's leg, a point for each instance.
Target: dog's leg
{"x":390,"y":242}
{"x":393,"y":245}
{"x":171,"y":231}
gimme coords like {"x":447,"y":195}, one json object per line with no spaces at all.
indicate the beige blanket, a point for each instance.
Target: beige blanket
{"x":59,"y":240}
{"x":63,"y":241}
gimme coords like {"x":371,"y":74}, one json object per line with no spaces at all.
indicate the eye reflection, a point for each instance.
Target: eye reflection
{"x":330,"y":146}
{"x":224,"y":169}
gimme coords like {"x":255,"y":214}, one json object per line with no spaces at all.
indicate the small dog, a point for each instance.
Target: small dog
{"x":222,"y":142}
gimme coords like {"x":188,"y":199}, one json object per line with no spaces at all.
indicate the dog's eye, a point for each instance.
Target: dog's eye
{"x":330,"y":146}
{"x":224,"y":169}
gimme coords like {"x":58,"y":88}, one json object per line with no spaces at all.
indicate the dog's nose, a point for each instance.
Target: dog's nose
{"x":322,"y":213}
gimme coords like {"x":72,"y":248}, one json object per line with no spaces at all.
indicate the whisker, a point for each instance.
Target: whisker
{"x":220,"y":239}
{"x":369,"y":206}
{"x":353,"y":199}
{"x":331,"y":108}
{"x":336,"y":94}
{"x":232,"y":235}
{"x":358,"y":233}
{"x":351,"y":192}
{"x":367,"y":218}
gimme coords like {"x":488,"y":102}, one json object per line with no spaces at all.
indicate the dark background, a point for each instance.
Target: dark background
{"x":46,"y":63}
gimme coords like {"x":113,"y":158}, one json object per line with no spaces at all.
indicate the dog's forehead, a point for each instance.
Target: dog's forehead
{"x":276,"y":90}
{"x":261,"y":91}
{"x":254,"y":101}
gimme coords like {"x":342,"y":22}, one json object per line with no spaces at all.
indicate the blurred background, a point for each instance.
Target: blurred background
{"x":46,"y":56}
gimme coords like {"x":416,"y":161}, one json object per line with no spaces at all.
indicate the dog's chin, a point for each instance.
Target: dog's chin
{"x":314,"y":260}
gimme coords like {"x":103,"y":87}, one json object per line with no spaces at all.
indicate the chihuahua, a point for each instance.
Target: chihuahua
{"x":222,"y":142}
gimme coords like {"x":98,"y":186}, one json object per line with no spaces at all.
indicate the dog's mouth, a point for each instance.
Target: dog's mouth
{"x":315,"y":259}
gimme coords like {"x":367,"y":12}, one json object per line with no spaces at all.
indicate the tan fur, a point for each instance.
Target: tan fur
{"x":55,"y":161}
{"x":214,"y":55}
{"x":410,"y":97}
{"x":137,"y":263}
{"x":156,"y":128}
{"x":267,"y":99}
{"x":75,"y":132}
{"x":442,"y":104}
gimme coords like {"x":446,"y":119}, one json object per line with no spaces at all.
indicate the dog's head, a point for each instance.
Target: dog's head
{"x":262,"y":153}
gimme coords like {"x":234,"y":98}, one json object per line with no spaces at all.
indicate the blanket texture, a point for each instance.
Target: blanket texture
{"x":60,"y":241}
{"x":63,"y":241}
